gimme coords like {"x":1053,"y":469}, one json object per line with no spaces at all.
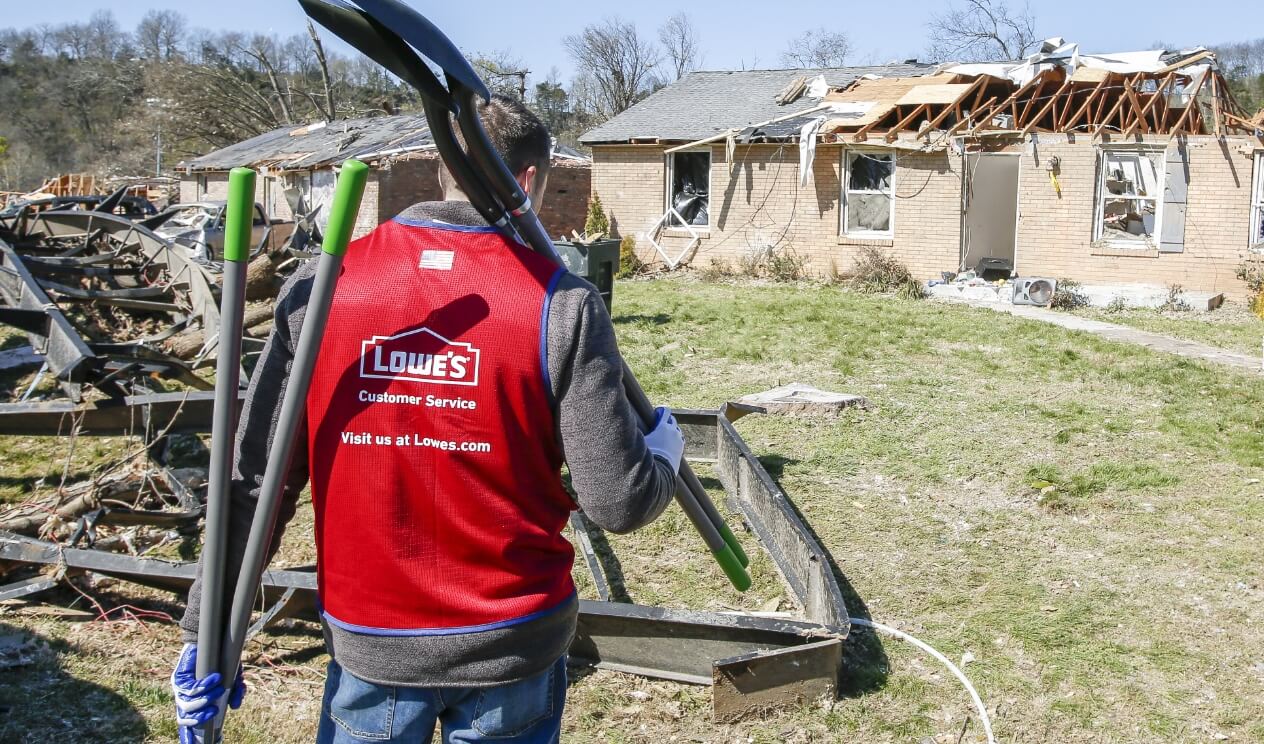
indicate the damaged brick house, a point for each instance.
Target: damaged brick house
{"x":1136,"y":168}
{"x":404,"y":170}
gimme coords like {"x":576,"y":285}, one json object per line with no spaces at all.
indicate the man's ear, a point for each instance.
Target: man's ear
{"x":526,"y":179}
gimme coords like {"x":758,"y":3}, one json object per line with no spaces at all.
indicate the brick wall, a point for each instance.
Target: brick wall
{"x":565,"y":205}
{"x":406,"y":182}
{"x":188,"y":189}
{"x":757,"y":201}
{"x":1055,"y":235}
{"x":216,"y":187}
{"x":761,"y":201}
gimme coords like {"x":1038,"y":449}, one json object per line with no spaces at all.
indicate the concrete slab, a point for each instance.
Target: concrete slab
{"x":797,"y":398}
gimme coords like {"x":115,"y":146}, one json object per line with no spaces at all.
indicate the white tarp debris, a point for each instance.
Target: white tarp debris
{"x":818,"y":88}
{"x":807,"y":149}
{"x":1057,"y":52}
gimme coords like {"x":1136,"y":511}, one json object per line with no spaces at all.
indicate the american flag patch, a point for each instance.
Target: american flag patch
{"x":439,"y":260}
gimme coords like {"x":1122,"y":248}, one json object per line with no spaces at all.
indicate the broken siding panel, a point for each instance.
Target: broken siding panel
{"x":1175,"y":197}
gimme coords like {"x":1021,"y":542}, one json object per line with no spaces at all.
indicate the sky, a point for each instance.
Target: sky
{"x":731,"y":39}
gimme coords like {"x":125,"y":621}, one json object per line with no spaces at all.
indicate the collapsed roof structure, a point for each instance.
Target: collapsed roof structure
{"x":1058,"y":89}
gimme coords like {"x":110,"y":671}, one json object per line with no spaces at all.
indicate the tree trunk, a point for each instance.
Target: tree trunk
{"x":188,"y":344}
{"x":330,"y":109}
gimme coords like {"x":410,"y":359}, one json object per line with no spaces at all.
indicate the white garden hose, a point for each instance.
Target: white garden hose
{"x":978,"y":703}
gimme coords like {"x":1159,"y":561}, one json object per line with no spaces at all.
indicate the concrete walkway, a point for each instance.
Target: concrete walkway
{"x":1116,"y":332}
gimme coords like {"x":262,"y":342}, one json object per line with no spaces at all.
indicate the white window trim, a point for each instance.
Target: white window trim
{"x":1146,"y":243}
{"x":887,"y":234}
{"x":1257,"y":206}
{"x":667,"y":190}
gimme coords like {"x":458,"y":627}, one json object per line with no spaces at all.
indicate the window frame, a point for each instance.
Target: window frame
{"x":889,"y":233}
{"x":1256,"y":224}
{"x":671,"y":178}
{"x":1145,"y":242}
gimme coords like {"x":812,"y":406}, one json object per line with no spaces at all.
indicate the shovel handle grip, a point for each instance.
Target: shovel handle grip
{"x":342,"y":214}
{"x":239,"y":214}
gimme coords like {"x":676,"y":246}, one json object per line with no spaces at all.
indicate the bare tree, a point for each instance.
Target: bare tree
{"x":680,"y":40}
{"x":982,"y":30}
{"x":330,"y":109}
{"x":504,"y":73}
{"x":618,"y":60}
{"x":817,"y":48}
{"x":160,"y":34}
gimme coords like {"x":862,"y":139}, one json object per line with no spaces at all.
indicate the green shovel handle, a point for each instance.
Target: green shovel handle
{"x":732,"y":568}
{"x":239,"y":214}
{"x":346,"y":206}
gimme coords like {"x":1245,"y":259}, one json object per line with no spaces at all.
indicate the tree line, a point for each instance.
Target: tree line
{"x":93,"y":97}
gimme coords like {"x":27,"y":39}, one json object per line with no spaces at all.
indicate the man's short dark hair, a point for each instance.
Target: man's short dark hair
{"x":517,"y":134}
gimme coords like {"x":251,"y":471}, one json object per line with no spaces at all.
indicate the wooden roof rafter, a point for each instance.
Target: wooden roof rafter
{"x":1159,"y":93}
{"x":1031,"y":123}
{"x":1012,"y":100}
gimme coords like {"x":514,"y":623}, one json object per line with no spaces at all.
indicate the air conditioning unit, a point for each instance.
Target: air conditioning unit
{"x":1034,"y":291}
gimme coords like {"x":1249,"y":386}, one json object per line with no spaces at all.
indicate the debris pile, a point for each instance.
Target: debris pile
{"x":121,"y":322}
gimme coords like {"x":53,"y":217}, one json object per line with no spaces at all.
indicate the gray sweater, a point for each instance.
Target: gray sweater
{"x":618,"y":483}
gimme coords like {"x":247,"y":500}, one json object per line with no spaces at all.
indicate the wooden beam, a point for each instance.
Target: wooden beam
{"x":1158,"y":94}
{"x":862,"y":134}
{"x":1119,"y":103}
{"x":979,"y":96}
{"x":895,"y":130}
{"x":1013,"y":98}
{"x":725,"y":134}
{"x":1137,"y":109}
{"x":955,"y":106}
{"x":1045,"y":109}
{"x":1032,"y":100}
{"x":966,"y":120}
{"x":1215,"y":100}
{"x":1181,"y":63}
{"x":1101,"y":84}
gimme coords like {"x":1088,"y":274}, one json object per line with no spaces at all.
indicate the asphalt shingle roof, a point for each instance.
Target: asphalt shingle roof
{"x":322,"y":146}
{"x":703,"y":104}
{"x":299,"y":147}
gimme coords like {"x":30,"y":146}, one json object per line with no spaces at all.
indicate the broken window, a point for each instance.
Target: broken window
{"x":868,"y":203}
{"x":1257,"y":206}
{"x":689,"y":188}
{"x":1129,"y":191}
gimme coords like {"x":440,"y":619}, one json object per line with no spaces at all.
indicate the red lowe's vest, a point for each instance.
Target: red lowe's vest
{"x":434,"y":466}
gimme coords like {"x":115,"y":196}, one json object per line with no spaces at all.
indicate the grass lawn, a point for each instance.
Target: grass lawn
{"x":1231,"y":327}
{"x":1081,"y":517}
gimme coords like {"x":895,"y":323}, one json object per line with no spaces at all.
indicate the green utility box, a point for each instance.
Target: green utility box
{"x":597,"y":262}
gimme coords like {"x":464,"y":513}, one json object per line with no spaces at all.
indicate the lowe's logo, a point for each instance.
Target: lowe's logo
{"x":419,"y":356}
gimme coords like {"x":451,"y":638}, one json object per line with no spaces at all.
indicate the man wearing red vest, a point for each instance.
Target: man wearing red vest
{"x":459,"y":370}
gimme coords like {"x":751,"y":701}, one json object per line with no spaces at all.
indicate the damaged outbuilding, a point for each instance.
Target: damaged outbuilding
{"x":1128,"y":168}
{"x":297,"y":166}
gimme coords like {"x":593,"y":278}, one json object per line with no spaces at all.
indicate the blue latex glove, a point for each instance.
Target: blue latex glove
{"x":198,"y":700}
{"x":665,"y":439}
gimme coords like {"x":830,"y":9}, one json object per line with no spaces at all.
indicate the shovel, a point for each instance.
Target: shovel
{"x":387,"y":31}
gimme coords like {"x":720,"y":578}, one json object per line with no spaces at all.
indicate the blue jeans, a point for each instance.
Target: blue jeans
{"x":528,"y":711}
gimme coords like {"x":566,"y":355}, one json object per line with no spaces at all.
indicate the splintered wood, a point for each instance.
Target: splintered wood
{"x":1187,"y":97}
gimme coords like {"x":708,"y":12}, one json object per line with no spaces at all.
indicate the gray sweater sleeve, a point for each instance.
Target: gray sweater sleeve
{"x":620,"y":485}
{"x":254,"y":439}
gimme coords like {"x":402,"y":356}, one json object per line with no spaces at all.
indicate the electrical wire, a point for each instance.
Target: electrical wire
{"x":974,"y":695}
